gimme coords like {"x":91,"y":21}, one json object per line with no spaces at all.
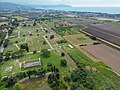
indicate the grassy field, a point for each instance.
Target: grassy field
{"x":54,"y":59}
{"x":35,"y":41}
{"x":79,"y":39}
{"x":14,"y":16}
{"x":104,"y":76}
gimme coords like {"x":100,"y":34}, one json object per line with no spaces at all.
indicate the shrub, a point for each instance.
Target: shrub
{"x":62,"y":54}
{"x":63,"y":63}
{"x":44,"y":42}
{"x":45,"y":53}
{"x":34,"y":52}
{"x":52,"y":36}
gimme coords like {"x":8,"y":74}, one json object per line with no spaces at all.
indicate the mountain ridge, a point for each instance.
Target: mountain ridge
{"x":13,"y":6}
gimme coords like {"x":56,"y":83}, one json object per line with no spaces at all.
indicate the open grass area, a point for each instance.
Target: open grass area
{"x":4,"y":65}
{"x":39,"y":84}
{"x":14,"y":16}
{"x":65,"y":31}
{"x":54,"y":59}
{"x":79,"y":39}
{"x":104,"y":76}
{"x":35,"y":41}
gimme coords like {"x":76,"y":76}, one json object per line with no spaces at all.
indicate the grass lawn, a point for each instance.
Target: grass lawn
{"x":79,"y":39}
{"x":6,"y":64}
{"x":39,"y":84}
{"x":34,"y":42}
{"x":54,"y":59}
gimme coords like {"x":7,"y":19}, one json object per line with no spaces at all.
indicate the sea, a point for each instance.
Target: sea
{"x":110,"y":10}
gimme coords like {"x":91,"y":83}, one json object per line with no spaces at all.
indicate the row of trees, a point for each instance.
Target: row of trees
{"x":55,"y":82}
{"x":81,"y":77}
{"x":10,"y":81}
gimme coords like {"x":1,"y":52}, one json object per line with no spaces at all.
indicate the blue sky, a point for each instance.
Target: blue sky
{"x":76,"y":3}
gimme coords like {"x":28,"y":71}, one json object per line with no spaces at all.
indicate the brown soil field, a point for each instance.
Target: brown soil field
{"x":3,"y":23}
{"x":107,"y":32}
{"x":106,"y":54}
{"x":106,"y":35}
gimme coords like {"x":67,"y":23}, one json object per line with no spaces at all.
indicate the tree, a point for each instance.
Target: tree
{"x":34,"y":52}
{"x":27,"y":49}
{"x":93,"y":38}
{"x":24,"y":74}
{"x":6,"y":43}
{"x":34,"y":24}
{"x":25,"y":46}
{"x":63,"y":62}
{"x":16,"y":42}
{"x":44,"y":42}
{"x":29,"y":73}
{"x":52,"y":36}
{"x":17,"y":86}
{"x":36,"y":30}
{"x":7,"y":56}
{"x":62,"y":54}
{"x":45,"y":53}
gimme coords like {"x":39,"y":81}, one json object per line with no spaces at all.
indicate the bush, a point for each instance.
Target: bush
{"x":52,"y":36}
{"x":82,"y":45}
{"x":44,"y":42}
{"x":16,"y":42}
{"x":63,"y":63}
{"x":17,"y":86}
{"x":96,"y":43}
{"x":62,"y":54}
{"x":34,"y":52}
{"x":93,"y":37}
{"x":67,"y":78}
{"x":45,"y":53}
{"x":61,"y":41}
{"x":24,"y":46}
{"x":6,"y":43}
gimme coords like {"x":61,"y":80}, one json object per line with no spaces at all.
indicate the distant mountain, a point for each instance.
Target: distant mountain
{"x":49,"y":6}
{"x":13,"y":6}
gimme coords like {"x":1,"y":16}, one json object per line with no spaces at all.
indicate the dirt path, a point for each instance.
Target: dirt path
{"x":48,"y":42}
{"x":17,"y":46}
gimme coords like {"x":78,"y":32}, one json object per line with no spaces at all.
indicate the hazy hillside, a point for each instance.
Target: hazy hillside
{"x":49,"y":6}
{"x":13,"y":6}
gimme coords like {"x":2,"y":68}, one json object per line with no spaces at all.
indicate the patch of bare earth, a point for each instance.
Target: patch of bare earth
{"x":108,"y":55}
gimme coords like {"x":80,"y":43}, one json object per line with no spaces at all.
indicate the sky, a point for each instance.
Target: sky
{"x":75,"y":3}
